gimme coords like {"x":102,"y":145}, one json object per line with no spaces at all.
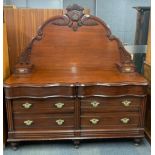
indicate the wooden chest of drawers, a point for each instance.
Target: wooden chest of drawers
{"x":76,"y":116}
{"x":75,"y":89}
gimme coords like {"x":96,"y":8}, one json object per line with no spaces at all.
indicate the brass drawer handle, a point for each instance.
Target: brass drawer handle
{"x":94,"y":121}
{"x":28,"y":122}
{"x":125,"y":120}
{"x":126,"y":103}
{"x":95,"y":104}
{"x":59,"y":105}
{"x":60,"y":121}
{"x":27,"y":105}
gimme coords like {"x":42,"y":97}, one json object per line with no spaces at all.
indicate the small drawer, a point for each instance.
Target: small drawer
{"x":110,"y":120}
{"x":43,"y":122}
{"x":93,"y":90}
{"x":107,"y":104}
{"x":54,"y":105}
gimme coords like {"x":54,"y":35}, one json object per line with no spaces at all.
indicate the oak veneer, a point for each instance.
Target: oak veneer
{"x":75,"y":81}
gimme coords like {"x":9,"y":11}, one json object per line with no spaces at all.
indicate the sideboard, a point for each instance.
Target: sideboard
{"x":75,"y":81}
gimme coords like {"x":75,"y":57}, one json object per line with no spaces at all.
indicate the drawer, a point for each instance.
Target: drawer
{"x":110,"y":120}
{"x":86,"y":91}
{"x":43,"y":122}
{"x":39,"y":92}
{"x":54,"y":105}
{"x":100,"y":104}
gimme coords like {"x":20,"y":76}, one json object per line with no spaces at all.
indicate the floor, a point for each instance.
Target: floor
{"x":91,"y":147}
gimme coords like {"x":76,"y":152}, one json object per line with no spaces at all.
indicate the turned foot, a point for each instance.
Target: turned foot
{"x":137,"y":141}
{"x":14,"y":145}
{"x":76,"y":143}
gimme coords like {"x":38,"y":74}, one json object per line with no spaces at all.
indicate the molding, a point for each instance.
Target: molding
{"x":40,"y":97}
{"x":73,"y":85}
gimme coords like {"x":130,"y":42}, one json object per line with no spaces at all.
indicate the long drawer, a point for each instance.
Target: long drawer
{"x":52,"y":105}
{"x":24,"y":122}
{"x":39,"y":92}
{"x":110,"y":120}
{"x":100,"y":104}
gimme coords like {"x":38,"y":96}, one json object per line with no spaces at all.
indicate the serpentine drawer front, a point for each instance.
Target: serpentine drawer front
{"x":52,"y":105}
{"x":29,"y":122}
{"x":114,"y":104}
{"x":110,"y":120}
{"x":74,"y":81}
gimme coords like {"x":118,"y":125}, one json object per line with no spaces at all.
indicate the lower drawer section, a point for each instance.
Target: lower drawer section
{"x":110,"y":120}
{"x":43,"y":122}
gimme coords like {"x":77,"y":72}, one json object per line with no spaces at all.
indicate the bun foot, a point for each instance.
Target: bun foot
{"x":14,"y":145}
{"x":137,"y":141}
{"x":76,"y":143}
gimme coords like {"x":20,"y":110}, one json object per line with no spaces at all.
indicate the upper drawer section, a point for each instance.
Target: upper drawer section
{"x":39,"y":92}
{"x":98,"y":90}
{"x":54,"y":105}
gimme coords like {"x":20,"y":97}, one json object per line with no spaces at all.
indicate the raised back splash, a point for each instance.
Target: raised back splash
{"x":74,"y":40}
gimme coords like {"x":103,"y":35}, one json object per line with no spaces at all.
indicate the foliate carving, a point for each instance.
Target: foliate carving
{"x":75,"y":18}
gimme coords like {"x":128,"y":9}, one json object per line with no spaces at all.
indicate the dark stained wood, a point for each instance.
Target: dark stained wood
{"x":75,"y":60}
{"x":54,"y":105}
{"x":147,"y":75}
{"x":39,"y":92}
{"x":43,"y":122}
{"x":112,"y":104}
{"x":110,"y":120}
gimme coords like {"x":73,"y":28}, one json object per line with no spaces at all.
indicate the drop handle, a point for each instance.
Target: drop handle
{"x":125,"y":120}
{"x":94,"y":121}
{"x":95,"y":104}
{"x":59,"y":105}
{"x":126,"y":103}
{"x":27,"y":105}
{"x":28,"y":122}
{"x":60,"y":121}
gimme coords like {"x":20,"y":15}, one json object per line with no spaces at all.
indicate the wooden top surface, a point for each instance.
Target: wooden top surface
{"x":76,"y":75}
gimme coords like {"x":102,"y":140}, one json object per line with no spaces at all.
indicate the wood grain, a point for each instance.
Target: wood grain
{"x":148,"y":53}
{"x":22,"y":25}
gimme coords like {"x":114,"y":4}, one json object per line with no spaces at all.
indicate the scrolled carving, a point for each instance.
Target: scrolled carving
{"x":126,"y":64}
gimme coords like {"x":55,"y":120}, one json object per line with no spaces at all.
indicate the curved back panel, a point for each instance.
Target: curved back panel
{"x":87,"y":47}
{"x":74,"y":40}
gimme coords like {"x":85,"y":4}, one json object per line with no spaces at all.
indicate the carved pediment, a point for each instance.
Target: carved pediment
{"x":75,"y":18}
